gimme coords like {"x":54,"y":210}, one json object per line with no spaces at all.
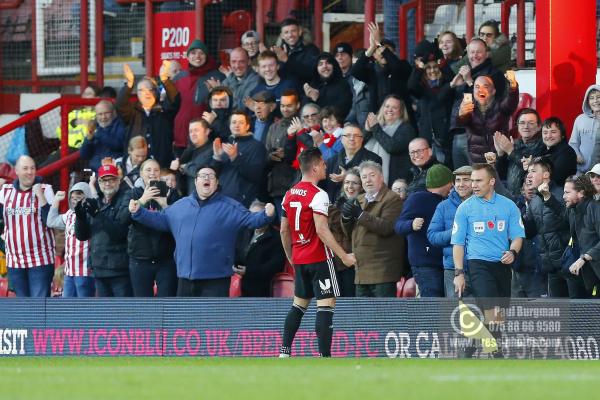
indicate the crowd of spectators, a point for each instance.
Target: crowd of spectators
{"x":189,"y":178}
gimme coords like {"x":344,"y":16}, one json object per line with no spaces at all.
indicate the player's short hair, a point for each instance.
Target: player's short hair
{"x":485,"y":166}
{"x":308,"y":158}
{"x":370,"y":164}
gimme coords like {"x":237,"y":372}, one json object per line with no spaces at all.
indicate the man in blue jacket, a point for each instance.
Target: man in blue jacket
{"x":425,"y":259}
{"x":440,"y":227}
{"x":205,"y":225}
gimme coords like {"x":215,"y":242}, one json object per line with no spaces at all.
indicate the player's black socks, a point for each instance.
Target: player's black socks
{"x":292,"y":323}
{"x":324,"y":329}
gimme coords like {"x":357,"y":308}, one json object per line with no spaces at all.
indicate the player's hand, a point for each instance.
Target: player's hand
{"x":576,"y":266}
{"x":459,"y":284}
{"x":507,"y":258}
{"x":269,"y":209}
{"x":417,"y":224}
{"x":58,"y":197}
{"x":134,"y":206}
{"x":348,"y":259}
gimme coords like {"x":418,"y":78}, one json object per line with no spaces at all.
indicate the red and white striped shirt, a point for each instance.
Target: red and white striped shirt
{"x":29,"y":243}
{"x":76,"y":251}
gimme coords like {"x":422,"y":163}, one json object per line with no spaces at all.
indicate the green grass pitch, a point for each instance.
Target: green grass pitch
{"x":67,"y":378}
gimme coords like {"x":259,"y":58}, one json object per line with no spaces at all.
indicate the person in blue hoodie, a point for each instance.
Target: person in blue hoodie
{"x":205,"y":225}
{"x":425,"y":259}
{"x":440,"y":227}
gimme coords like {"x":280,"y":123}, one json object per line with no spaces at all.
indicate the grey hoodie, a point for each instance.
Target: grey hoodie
{"x":585,"y":138}
{"x":54,"y":219}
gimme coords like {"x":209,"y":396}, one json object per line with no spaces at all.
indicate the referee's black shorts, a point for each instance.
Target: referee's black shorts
{"x":316,"y":280}
{"x":490,"y":282}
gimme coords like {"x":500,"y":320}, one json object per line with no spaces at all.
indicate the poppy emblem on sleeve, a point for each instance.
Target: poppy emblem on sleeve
{"x":490,"y":225}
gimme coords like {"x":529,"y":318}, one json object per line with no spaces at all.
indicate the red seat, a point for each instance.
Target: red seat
{"x":525,"y":101}
{"x":410,"y":288}
{"x":282,"y":285}
{"x":235,"y":288}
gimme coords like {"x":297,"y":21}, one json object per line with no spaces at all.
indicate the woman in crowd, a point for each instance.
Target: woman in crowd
{"x":452,"y":50}
{"x":351,"y":188}
{"x":388,"y":134}
{"x":150,"y":251}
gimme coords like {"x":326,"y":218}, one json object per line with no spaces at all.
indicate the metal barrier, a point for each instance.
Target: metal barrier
{"x":60,"y":107}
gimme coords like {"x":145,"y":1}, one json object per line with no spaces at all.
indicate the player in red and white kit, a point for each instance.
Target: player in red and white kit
{"x":308,"y":244}
{"x":29,"y":242}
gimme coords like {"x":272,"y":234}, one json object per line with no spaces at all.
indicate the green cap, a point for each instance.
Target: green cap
{"x":438,"y":175}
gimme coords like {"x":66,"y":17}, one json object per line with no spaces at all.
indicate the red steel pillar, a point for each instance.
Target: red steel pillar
{"x":566,"y":56}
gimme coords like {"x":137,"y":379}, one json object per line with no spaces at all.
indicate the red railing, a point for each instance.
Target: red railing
{"x":66,"y":104}
{"x":505,"y":17}
{"x":418,"y":6}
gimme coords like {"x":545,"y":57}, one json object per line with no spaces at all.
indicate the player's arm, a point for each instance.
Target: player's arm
{"x":286,"y":238}
{"x":322,"y":226}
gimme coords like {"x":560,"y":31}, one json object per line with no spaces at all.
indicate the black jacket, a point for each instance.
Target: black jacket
{"x":544,"y":219}
{"x":334,"y":164}
{"x":564,"y":159}
{"x":511,"y":166}
{"x":263,"y":258}
{"x":434,"y":108}
{"x":107,"y":233}
{"x":397,"y":147}
{"x":194,"y":158}
{"x":156,"y":127}
{"x":302,"y":60}
{"x":419,"y":176}
{"x":383,"y":80}
{"x":335,"y":90}
{"x":145,"y":243}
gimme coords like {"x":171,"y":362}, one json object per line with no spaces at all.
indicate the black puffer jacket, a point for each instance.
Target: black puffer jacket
{"x":564,"y":159}
{"x":107,"y":233}
{"x":145,"y":243}
{"x":419,"y":176}
{"x":544,"y":218}
{"x":512,"y":167}
{"x":335,"y":90}
{"x":157,"y":127}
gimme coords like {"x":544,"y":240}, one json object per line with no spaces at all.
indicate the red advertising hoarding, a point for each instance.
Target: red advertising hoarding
{"x":173,"y":33}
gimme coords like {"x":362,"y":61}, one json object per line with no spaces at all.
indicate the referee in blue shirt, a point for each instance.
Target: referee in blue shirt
{"x":487,"y":229}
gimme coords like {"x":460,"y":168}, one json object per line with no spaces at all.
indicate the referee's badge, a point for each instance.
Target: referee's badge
{"x":501,"y":225}
{"x":478,"y":226}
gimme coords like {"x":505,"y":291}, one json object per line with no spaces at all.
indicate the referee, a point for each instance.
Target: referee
{"x":489,"y":230}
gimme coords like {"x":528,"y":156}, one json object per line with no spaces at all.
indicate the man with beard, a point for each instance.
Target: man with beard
{"x":328,"y":87}
{"x":105,"y":138}
{"x":193,"y":90}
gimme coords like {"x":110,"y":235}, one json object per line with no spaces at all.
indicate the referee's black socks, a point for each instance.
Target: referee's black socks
{"x":324,"y":329}
{"x":292,"y":323}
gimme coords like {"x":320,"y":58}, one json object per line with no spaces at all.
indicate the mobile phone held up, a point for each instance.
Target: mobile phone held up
{"x":162,"y":186}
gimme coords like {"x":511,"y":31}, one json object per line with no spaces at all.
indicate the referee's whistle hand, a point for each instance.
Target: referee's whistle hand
{"x":507,"y":258}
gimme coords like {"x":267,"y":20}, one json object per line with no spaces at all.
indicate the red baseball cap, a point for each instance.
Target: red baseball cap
{"x":108,"y":170}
